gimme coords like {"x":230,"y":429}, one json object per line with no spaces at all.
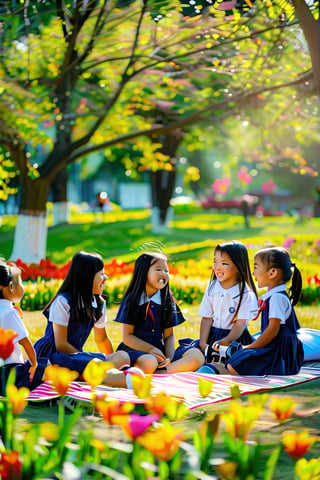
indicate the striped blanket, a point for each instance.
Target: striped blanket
{"x":184,"y":386}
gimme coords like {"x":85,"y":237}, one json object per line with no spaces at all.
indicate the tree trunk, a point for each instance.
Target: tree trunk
{"x":60,"y":198}
{"x":162,"y":182}
{"x":30,"y":239}
{"x":162,"y":185}
{"x":311,"y":30}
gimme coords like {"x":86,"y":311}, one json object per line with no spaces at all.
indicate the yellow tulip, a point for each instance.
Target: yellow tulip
{"x":308,"y":469}
{"x":227,"y":470}
{"x":95,"y":372}
{"x":239,"y":419}
{"x":49,"y":431}
{"x":18,"y":398}
{"x":282,"y":408}
{"x":60,"y":377}
{"x":205,"y":387}
{"x":141,"y":385}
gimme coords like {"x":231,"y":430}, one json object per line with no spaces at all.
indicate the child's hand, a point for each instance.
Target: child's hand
{"x":158,"y":354}
{"x":32,"y":371}
{"x":164,"y":363}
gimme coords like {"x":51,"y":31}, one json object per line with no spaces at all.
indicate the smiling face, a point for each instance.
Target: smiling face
{"x":158,"y":276}
{"x":266,"y":276}
{"x":98,"y":282}
{"x":225,"y":270}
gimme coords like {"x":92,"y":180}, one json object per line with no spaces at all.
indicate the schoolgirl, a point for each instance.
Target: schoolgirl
{"x":277,"y":350}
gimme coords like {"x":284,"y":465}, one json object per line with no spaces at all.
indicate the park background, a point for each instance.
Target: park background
{"x":163,"y":125}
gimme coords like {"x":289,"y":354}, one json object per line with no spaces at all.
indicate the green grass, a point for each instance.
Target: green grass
{"x":123,"y":234}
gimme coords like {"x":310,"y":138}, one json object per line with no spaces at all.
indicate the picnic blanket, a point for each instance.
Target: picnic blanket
{"x":184,"y":386}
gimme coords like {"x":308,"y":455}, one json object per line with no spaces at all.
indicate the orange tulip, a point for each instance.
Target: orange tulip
{"x":18,"y":398}
{"x":163,"y":442}
{"x":60,"y":377}
{"x":6,"y":342}
{"x":112,"y":409}
{"x":162,"y":404}
{"x":282,"y":408}
{"x":297,"y":444}
{"x":157,"y":403}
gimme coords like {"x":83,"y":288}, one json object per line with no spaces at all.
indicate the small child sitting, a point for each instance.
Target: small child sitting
{"x":29,"y":373}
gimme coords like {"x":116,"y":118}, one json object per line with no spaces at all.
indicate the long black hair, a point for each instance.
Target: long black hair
{"x":238,"y":254}
{"x":278,"y":257}
{"x":78,"y":285}
{"x":137,"y":287}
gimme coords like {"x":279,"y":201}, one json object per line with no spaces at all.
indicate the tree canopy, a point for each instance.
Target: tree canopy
{"x":85,"y":76}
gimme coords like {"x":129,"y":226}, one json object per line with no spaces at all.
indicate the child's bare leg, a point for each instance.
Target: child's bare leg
{"x":116,"y":378}
{"x":119,"y":359}
{"x":221,"y":368}
{"x":147,"y":363}
{"x":189,"y":362}
{"x":231,"y":370}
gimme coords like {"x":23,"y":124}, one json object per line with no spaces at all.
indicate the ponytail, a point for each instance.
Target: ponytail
{"x":296,"y":285}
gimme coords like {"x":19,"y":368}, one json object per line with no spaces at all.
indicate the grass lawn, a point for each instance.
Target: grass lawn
{"x":122,"y":235}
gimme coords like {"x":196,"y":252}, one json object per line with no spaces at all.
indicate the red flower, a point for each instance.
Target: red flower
{"x":297,"y":444}
{"x":10,"y":466}
{"x":6,"y":342}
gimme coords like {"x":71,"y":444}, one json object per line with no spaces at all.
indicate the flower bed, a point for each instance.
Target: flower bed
{"x":188,"y":282}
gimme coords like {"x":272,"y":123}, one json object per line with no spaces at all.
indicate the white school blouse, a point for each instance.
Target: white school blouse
{"x":9,"y":319}
{"x":221,"y":303}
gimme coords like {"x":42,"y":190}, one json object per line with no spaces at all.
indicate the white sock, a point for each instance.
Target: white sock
{"x":130,"y":372}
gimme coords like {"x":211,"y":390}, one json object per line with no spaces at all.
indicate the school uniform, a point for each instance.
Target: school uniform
{"x":220,"y":304}
{"x":148,"y":322}
{"x":10,"y":319}
{"x":62,"y":313}
{"x":284,"y":354}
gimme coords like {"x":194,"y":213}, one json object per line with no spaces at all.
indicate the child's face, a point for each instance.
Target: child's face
{"x":260,"y":273}
{"x":98,"y":282}
{"x":225,"y":270}
{"x":15,"y":289}
{"x":158,"y":277}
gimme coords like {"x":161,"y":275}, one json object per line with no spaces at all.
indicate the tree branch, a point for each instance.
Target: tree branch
{"x":240,"y":97}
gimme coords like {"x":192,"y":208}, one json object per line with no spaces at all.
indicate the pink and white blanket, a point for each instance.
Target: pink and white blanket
{"x":184,"y":386}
